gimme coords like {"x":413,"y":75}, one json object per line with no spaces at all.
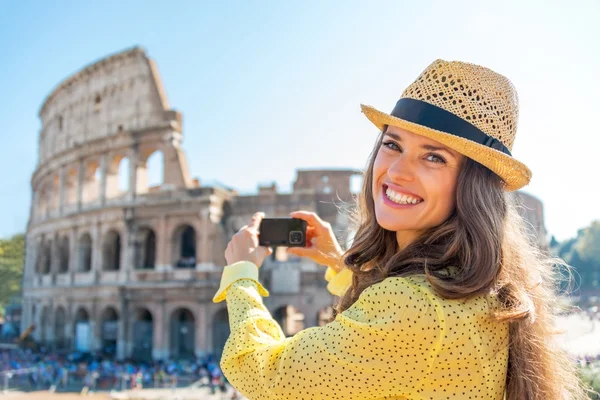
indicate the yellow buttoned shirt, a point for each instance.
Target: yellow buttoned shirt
{"x":399,"y":340}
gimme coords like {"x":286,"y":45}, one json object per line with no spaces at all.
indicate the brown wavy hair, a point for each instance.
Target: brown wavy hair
{"x":486,"y":243}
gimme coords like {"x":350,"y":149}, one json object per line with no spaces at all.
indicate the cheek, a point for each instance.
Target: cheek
{"x":445,"y":196}
{"x":379,"y":168}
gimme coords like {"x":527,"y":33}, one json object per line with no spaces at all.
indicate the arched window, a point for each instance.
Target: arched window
{"x":183,"y":333}
{"x":111,"y":252}
{"x":84,"y":263}
{"x":184,"y":247}
{"x":63,"y":255}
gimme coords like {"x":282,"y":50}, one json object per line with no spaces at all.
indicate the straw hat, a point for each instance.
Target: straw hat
{"x":466,"y":107}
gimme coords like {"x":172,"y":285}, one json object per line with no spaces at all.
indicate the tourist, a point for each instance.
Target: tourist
{"x":442,"y":294}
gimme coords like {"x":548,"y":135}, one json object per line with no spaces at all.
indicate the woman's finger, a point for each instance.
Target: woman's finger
{"x":308,"y":216}
{"x":255,"y":221}
{"x":300,"y":251}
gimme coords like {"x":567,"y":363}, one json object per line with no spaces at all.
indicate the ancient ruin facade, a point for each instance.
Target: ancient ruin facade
{"x":132,"y":271}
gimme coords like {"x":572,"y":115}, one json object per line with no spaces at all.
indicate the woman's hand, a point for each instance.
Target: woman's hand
{"x":244,"y":244}
{"x":321,"y":245}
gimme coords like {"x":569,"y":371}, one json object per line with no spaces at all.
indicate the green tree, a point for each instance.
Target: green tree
{"x":588,"y":245}
{"x":12,"y":259}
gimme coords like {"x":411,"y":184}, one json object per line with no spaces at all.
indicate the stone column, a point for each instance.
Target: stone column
{"x":123,"y":332}
{"x":128,"y":249}
{"x":202,"y":327}
{"x":47,"y":200}
{"x":61,"y":189}
{"x":103,"y":174}
{"x":95,"y":327}
{"x":162,"y":245}
{"x":54,"y":257}
{"x":96,"y":250}
{"x":30,"y":258}
{"x":160,"y":347}
{"x":204,"y":247}
{"x":50,"y":334}
{"x":133,"y":167}
{"x":69,"y":323}
{"x":80,"y":183}
{"x":34,"y":206}
{"x":73,"y":253}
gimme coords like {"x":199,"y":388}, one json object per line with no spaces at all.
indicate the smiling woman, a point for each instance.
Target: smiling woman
{"x":414,"y":183}
{"x":442,"y":295}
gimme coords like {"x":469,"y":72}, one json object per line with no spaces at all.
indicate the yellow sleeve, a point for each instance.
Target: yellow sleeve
{"x":382,"y":346}
{"x":339,"y":282}
{"x":235,"y":272}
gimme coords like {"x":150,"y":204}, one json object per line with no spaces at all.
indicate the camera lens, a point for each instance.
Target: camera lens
{"x":295,"y":237}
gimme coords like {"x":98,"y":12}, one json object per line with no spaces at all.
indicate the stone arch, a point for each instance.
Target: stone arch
{"x":97,"y":103}
{"x":111,"y":251}
{"x":183,"y":245}
{"x":84,"y":262}
{"x":91,"y":181}
{"x":109,"y":331}
{"x":290,"y":319}
{"x":42,"y":200}
{"x":150,"y":171}
{"x":60,"y":323}
{"x":221,"y":331}
{"x":145,"y":248}
{"x":82,"y":315}
{"x":63,"y":255}
{"x":143,"y":334}
{"x":53,"y":193}
{"x":117,"y":175}
{"x":183,"y":333}
{"x":70,"y":198}
{"x":82,"y":331}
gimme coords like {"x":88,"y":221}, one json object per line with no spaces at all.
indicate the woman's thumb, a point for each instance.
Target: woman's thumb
{"x":297,"y":251}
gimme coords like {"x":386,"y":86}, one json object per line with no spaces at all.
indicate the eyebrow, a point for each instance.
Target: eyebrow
{"x":425,"y":146}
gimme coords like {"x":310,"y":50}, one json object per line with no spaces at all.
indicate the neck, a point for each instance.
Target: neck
{"x":405,"y":238}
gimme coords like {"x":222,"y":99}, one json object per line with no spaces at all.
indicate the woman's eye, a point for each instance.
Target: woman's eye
{"x":435,"y":158}
{"x":391,"y":145}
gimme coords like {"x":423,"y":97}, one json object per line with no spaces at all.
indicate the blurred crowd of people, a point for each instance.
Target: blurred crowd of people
{"x":42,"y":370}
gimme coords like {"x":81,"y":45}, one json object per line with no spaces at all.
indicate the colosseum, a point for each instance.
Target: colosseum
{"x":130,"y":270}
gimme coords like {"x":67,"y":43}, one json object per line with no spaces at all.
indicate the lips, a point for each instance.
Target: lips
{"x":401,"y":194}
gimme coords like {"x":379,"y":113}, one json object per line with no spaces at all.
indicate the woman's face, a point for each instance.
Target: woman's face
{"x":414,"y":183}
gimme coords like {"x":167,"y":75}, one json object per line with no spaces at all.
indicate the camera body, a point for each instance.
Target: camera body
{"x":282,"y":232}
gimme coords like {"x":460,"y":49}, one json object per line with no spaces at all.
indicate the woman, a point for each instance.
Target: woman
{"x":442,"y":294}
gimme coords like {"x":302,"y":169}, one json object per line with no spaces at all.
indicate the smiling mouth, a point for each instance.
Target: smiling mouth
{"x":401,"y":198}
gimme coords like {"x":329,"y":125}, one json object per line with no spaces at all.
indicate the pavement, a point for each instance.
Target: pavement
{"x":173,"y":394}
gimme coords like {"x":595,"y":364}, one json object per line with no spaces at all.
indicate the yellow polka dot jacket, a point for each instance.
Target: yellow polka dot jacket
{"x":399,"y":340}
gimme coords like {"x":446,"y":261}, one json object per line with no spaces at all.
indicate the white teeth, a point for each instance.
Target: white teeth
{"x":401,"y":198}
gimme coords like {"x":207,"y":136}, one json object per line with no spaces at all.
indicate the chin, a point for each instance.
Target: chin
{"x":391,"y":223}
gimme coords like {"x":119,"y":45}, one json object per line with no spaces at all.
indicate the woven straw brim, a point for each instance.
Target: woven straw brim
{"x":514,"y":173}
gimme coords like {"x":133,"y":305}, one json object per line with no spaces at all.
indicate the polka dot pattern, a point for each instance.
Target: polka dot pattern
{"x":398,"y":341}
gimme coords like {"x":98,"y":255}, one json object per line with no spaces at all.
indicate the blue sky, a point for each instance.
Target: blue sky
{"x":266,"y":87}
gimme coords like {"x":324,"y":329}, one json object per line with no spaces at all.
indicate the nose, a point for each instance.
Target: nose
{"x":402,"y":169}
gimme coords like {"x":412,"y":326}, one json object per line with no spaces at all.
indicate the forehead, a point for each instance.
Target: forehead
{"x":413,"y":137}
